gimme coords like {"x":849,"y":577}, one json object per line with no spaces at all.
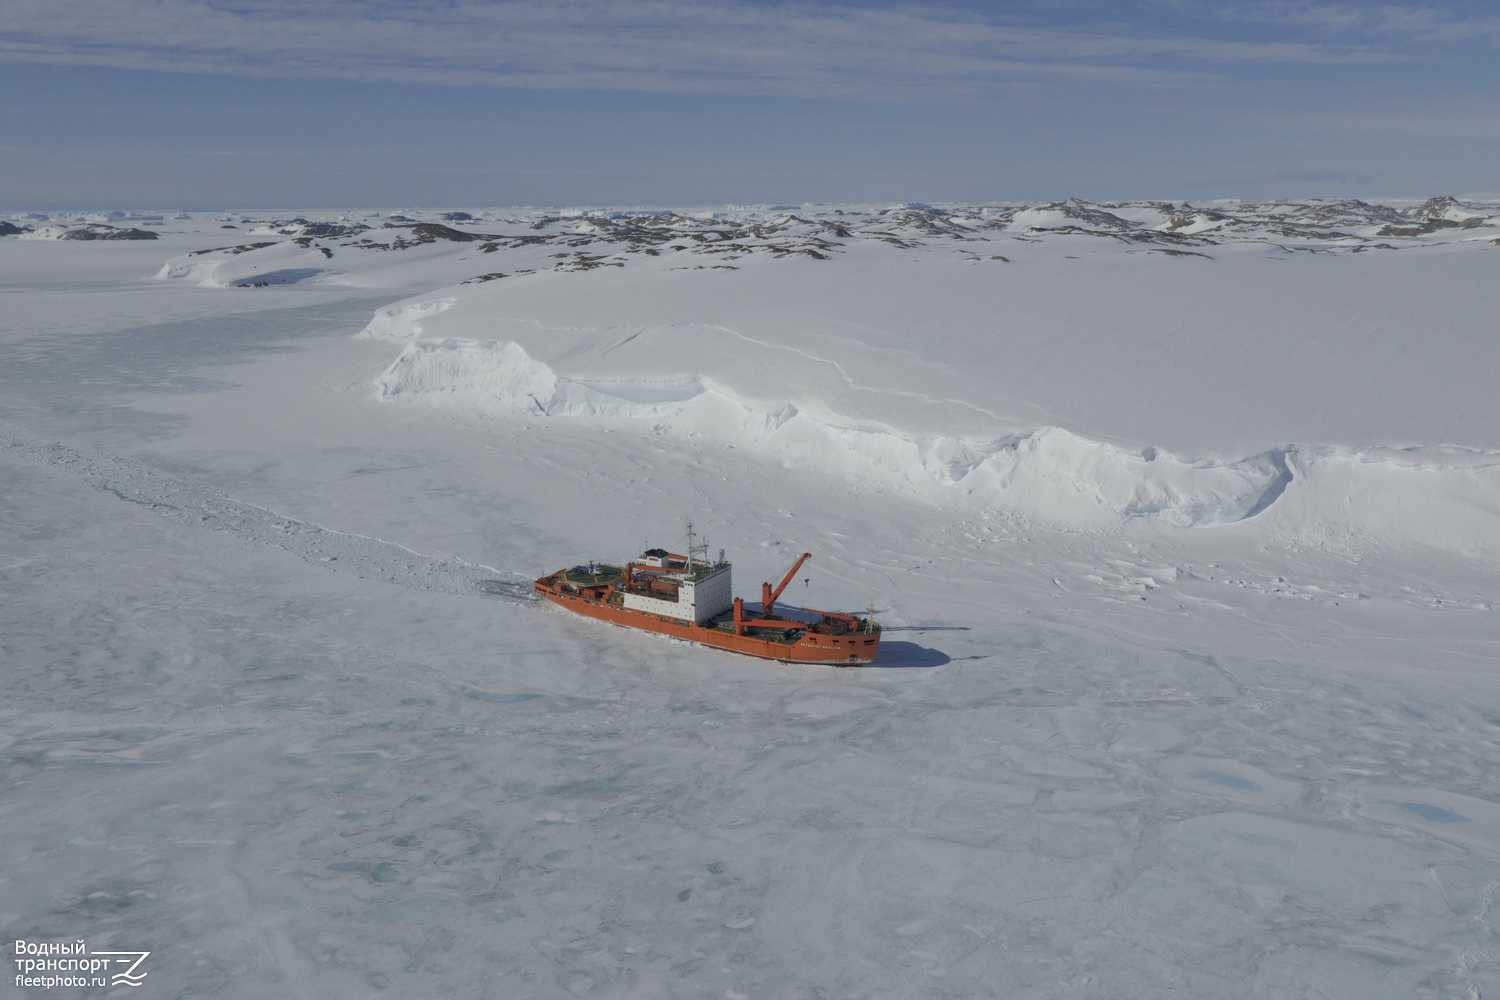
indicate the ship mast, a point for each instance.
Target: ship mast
{"x":695,"y":547}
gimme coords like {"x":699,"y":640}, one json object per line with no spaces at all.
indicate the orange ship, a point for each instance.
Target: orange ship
{"x":691,"y":598}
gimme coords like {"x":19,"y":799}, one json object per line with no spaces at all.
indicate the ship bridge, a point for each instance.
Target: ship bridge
{"x":663,"y":583}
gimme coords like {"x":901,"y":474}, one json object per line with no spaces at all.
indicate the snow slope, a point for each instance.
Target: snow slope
{"x":1080,"y":399}
{"x":1187,"y":569}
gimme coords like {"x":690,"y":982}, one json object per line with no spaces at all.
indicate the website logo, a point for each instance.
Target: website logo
{"x":47,"y":964}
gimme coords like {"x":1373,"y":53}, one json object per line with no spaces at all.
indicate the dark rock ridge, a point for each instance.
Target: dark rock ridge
{"x":416,"y":234}
{"x":232,"y":251}
{"x":301,"y":227}
{"x":1433,"y":208}
{"x":100,"y":231}
{"x":983,"y":233}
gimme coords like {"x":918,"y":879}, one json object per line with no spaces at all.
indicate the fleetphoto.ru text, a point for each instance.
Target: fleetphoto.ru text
{"x":45,"y":964}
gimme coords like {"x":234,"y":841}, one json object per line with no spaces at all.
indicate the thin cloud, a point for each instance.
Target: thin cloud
{"x":1408,"y":24}
{"x":685,"y":46}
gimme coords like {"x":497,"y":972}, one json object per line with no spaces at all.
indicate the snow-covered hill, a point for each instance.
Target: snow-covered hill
{"x":345,"y":251}
{"x":1081,"y":363}
{"x":87,"y":231}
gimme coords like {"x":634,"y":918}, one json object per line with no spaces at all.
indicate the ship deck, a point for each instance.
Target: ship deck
{"x":579,"y":576}
{"x":786,"y":636}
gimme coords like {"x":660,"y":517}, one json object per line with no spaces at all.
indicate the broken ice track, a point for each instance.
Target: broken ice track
{"x":195,"y":504}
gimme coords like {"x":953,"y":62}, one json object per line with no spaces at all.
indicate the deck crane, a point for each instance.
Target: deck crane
{"x":768,"y":596}
{"x":767,"y":602}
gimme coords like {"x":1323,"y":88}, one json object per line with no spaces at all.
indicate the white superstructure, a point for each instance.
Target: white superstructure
{"x":695,"y":593}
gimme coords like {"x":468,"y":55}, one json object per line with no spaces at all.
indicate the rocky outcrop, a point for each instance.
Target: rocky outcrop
{"x":95,"y":231}
{"x":301,"y":227}
{"x":575,"y":240}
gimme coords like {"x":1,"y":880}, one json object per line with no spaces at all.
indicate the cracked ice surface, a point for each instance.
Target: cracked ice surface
{"x":1252,"y":761}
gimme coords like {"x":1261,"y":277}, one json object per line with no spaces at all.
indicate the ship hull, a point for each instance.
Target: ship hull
{"x":852,"y":650}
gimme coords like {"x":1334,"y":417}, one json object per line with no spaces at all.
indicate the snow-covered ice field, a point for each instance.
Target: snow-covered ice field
{"x":1183,"y":533}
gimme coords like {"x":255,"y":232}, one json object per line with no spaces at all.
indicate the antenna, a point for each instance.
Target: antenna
{"x":698,"y":551}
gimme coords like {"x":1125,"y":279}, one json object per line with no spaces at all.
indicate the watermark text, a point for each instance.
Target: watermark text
{"x":37,"y":961}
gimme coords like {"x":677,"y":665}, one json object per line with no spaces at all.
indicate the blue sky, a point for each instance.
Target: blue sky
{"x":222,"y":103}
